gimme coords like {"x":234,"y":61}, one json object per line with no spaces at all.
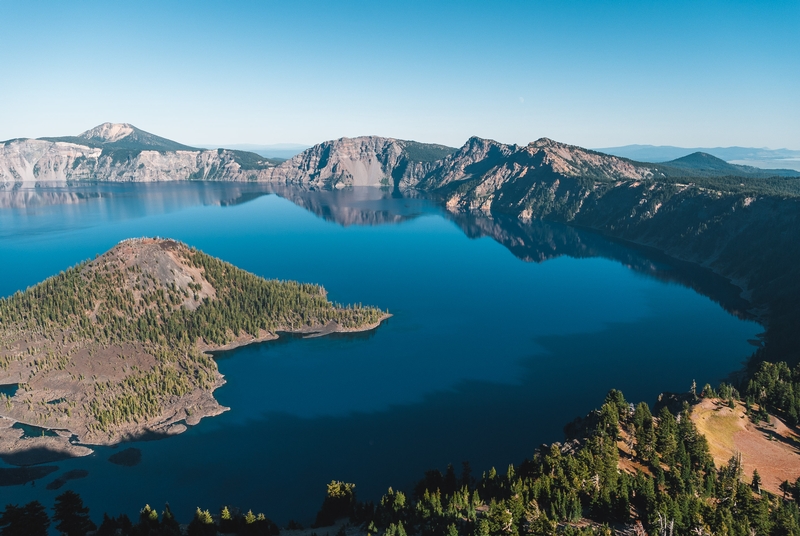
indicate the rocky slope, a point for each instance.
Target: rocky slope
{"x":364,"y":161}
{"x":744,"y":227}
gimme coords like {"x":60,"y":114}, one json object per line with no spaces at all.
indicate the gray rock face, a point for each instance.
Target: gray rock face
{"x":26,"y":162}
{"x":31,"y":162}
{"x":363,"y":161}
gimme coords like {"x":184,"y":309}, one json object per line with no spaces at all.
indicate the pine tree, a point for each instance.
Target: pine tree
{"x":202,"y":524}
{"x":169,"y":525}
{"x":756,"y":482}
{"x":30,"y":520}
{"x":72,"y":516}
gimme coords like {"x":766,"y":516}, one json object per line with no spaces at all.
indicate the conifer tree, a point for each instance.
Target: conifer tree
{"x":72,"y":516}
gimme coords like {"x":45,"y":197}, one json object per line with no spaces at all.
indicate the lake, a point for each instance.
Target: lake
{"x":501,"y":333}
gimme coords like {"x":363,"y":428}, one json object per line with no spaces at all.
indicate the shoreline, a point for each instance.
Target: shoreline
{"x":18,"y":450}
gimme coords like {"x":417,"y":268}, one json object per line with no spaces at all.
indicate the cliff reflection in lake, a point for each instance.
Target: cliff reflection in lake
{"x":485,"y":357}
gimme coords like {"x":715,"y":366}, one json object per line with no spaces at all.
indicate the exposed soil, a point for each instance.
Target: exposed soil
{"x":773,"y":449}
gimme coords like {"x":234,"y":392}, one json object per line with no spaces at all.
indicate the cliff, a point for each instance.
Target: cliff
{"x":364,"y":161}
{"x":736,"y":220}
{"x":121,"y":153}
{"x":744,"y":227}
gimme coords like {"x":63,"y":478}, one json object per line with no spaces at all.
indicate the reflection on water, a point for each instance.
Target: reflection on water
{"x":540,"y":241}
{"x":149,"y":198}
{"x":535,"y":241}
{"x":355,"y":206}
{"x":485,"y":357}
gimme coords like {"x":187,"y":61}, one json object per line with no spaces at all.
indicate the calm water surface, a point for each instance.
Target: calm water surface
{"x":486,"y":356}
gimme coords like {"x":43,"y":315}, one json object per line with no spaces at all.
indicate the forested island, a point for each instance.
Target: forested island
{"x":117,"y":347}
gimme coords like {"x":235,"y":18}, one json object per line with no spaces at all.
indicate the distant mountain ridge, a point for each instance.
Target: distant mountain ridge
{"x":122,"y":152}
{"x":704,"y":163}
{"x":282,"y":151}
{"x":758,"y":157}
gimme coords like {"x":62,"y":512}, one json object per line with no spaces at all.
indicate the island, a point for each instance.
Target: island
{"x":118,"y":347}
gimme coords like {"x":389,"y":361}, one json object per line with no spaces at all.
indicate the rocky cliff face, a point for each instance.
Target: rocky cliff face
{"x":364,"y":161}
{"x":119,"y":153}
{"x":753,"y":239}
{"x":32,"y":162}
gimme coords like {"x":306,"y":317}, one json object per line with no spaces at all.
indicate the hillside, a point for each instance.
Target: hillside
{"x":123,"y":136}
{"x":700,"y":164}
{"x":771,"y":448}
{"x":364,"y":161}
{"x":114,"y":347}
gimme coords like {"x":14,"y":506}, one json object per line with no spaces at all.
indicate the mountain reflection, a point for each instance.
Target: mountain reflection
{"x":135,"y":198}
{"x":536,"y":241}
{"x":355,"y":206}
{"x":539,"y":241}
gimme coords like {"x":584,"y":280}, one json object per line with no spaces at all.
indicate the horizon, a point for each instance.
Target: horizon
{"x":260,"y":73}
{"x":303,"y":146}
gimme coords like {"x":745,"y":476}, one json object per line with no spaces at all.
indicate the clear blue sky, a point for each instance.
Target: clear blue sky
{"x":593,"y":73}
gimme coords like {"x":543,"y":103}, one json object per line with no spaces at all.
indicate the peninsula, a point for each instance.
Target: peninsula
{"x":117,"y":347}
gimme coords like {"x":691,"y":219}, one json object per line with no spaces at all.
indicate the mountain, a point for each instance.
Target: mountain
{"x":731,"y":219}
{"x":739,"y":221}
{"x":757,"y":157}
{"x":124,"y":136}
{"x":115,"y":347}
{"x":707,"y":165}
{"x":121,"y":153}
{"x":364,"y":161}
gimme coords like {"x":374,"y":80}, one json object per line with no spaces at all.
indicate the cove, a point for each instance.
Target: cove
{"x":501,"y":334}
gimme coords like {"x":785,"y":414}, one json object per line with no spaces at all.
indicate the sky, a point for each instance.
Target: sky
{"x":592,"y":73}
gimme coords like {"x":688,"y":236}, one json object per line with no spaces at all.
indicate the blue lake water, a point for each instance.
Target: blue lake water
{"x":486,"y":355}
